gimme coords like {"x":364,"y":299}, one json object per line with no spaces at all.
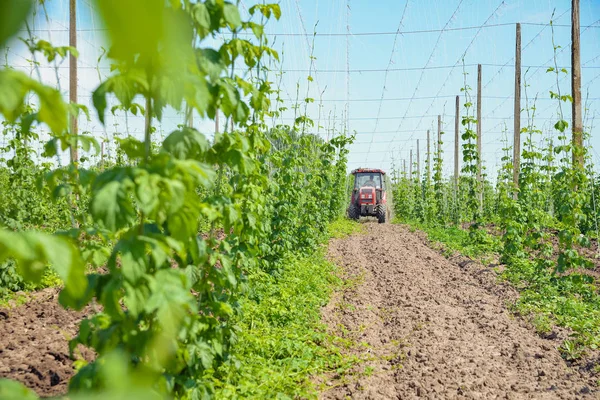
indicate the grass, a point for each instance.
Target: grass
{"x":476,"y":245}
{"x":342,"y":228}
{"x":281,"y":341}
{"x":14,"y":291}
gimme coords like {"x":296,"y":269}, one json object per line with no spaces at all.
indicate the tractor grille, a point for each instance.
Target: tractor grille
{"x":367,"y":195}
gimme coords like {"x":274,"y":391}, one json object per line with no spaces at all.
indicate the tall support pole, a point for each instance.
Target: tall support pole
{"x":410,"y":167}
{"x":102,"y":154}
{"x":73,"y":73}
{"x":217,"y":122}
{"x":428,"y":158}
{"x":439,"y":140}
{"x":456,"y":144}
{"x":404,"y":168}
{"x":517,"y":117}
{"x":576,"y":85}
{"x":418,"y":162}
{"x":479,"y":177}
{"x":189,"y":117}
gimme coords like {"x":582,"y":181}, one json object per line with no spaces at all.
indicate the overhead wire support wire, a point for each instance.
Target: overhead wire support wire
{"x":400,"y":24}
{"x":388,"y":33}
{"x":524,"y":48}
{"x":435,"y":67}
{"x":544,"y":65}
{"x":452,"y":17}
{"x":464,"y":54}
{"x":460,"y":59}
{"x":309,"y":44}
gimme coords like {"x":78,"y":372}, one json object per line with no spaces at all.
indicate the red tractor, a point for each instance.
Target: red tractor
{"x":369,"y":195}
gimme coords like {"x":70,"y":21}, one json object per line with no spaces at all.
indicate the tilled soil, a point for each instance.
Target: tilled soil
{"x":34,"y":343}
{"x":427,"y":327}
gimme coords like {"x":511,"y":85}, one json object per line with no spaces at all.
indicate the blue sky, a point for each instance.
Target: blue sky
{"x":379,"y":140}
{"x":386,"y":130}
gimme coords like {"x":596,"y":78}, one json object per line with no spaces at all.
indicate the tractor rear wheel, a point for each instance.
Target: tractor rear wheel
{"x":381,"y":212}
{"x":353,"y":212}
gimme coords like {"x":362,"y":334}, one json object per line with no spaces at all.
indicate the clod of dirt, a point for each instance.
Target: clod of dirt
{"x":427,"y":327}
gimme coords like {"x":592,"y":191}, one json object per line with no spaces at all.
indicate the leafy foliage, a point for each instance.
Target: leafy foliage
{"x":178,"y":225}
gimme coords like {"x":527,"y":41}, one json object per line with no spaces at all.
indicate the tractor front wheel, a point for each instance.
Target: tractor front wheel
{"x":353,"y":212}
{"x":381,"y":212}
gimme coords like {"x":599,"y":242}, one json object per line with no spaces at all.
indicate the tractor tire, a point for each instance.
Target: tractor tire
{"x":381,"y":213}
{"x":353,"y":212}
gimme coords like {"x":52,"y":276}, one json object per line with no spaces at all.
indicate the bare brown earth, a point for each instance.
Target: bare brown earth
{"x":427,"y":327}
{"x":34,"y":343}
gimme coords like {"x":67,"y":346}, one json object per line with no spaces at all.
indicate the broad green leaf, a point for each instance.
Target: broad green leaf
{"x":187,"y":143}
{"x":232,"y":16}
{"x":170,"y":298}
{"x":133,"y":26}
{"x":16,"y":85}
{"x":12,"y":15}
{"x":12,"y":390}
{"x":33,"y":251}
{"x":210,"y":62}
{"x":202,"y":17}
{"x":561,"y":125}
{"x":133,"y":148}
{"x":111,"y":202}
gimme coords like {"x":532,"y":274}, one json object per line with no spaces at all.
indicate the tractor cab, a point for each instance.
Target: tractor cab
{"x":368,"y":195}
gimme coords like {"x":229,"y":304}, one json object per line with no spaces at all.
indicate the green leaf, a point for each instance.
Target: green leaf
{"x":187,"y":143}
{"x":210,"y":62}
{"x":15,"y":87}
{"x":170,"y":298}
{"x":201,"y":16}
{"x":232,"y":16}
{"x":111,"y":202}
{"x":133,"y":148}
{"x":33,"y":251}
{"x":12,"y":16}
{"x":561,"y":125}
{"x":12,"y":390}
{"x":99,"y":100}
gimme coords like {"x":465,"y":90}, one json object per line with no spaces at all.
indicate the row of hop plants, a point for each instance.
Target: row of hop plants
{"x":546,"y":223}
{"x":175,"y":225}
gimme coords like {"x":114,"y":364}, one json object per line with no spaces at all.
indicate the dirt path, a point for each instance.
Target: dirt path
{"x":430,"y":328}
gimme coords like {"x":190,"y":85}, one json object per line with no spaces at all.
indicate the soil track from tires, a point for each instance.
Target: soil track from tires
{"x":431,"y":328}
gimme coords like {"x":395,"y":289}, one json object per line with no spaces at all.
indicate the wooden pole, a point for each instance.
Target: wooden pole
{"x":190,"y":117}
{"x":73,"y":74}
{"x":576,"y":85}
{"x":410,"y":166}
{"x":456,"y":144}
{"x":439,"y":140}
{"x":479,"y":177}
{"x":517,"y":117}
{"x":418,"y":162}
{"x":404,"y":168}
{"x":428,"y":158}
{"x":217,"y":123}
{"x":102,"y":155}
